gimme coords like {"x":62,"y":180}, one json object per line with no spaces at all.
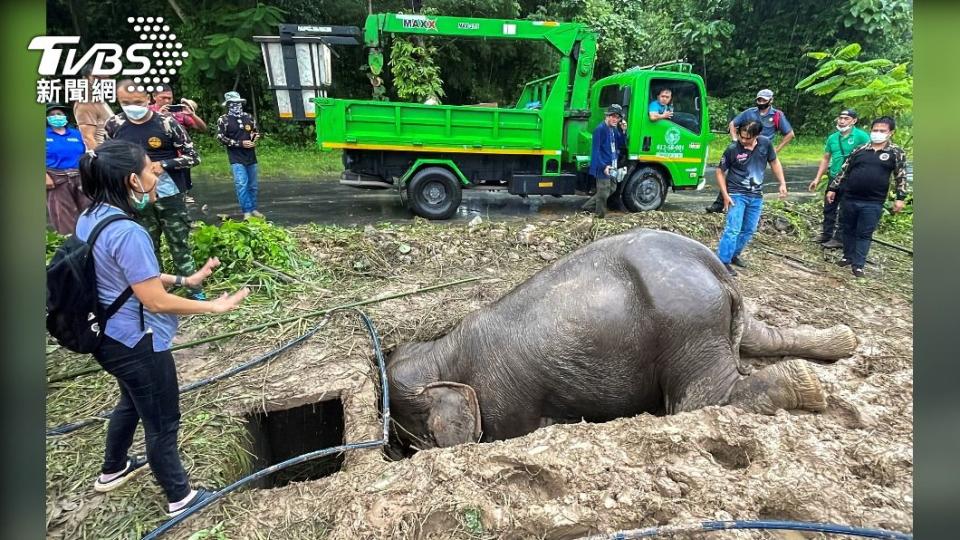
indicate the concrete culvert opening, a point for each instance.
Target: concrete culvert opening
{"x":279,"y":435}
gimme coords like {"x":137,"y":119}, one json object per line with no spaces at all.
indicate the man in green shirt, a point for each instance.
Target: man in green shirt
{"x":840,"y":144}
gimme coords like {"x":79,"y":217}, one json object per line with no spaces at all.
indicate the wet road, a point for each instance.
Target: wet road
{"x":294,"y":202}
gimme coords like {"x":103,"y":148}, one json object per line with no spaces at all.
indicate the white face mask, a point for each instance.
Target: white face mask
{"x":844,"y":129}
{"x":135,"y":112}
{"x":877,"y":137}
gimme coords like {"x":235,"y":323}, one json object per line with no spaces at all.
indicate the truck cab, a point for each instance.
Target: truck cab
{"x":661,"y":155}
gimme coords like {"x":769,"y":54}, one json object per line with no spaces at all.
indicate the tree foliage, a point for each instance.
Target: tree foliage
{"x":738,"y":46}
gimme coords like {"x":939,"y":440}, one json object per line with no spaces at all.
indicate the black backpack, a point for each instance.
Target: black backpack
{"x":74,"y":314}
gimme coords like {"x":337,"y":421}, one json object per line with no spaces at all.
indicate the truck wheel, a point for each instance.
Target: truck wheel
{"x":645,"y":190}
{"x":434,"y":193}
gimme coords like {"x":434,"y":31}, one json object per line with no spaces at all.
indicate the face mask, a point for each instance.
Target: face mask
{"x":57,"y":121}
{"x":135,"y":112}
{"x":844,"y":129}
{"x":143,"y":201}
{"x":235,"y":108}
{"x":763,"y":106}
{"x":877,"y":137}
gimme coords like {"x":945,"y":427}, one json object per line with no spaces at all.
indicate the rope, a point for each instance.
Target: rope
{"x":707,"y":526}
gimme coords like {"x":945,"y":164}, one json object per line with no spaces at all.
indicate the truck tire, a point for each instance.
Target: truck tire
{"x":645,"y":190}
{"x":434,"y":193}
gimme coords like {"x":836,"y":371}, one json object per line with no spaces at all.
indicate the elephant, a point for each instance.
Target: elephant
{"x":646,"y":321}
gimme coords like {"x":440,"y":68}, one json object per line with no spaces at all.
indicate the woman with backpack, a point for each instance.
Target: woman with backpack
{"x":136,"y":340}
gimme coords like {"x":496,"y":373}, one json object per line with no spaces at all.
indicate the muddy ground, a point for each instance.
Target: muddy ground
{"x":852,"y":464}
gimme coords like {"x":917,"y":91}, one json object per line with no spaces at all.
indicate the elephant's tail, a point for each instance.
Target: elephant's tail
{"x":738,"y":320}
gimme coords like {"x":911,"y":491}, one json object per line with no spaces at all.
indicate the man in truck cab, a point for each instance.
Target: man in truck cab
{"x":661,"y":108}
{"x":608,"y":138}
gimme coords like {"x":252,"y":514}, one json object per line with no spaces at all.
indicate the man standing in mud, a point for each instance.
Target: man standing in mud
{"x":771,"y":119}
{"x":608,"y":139}
{"x":840,"y":144}
{"x":865,"y":179}
{"x":171,"y":151}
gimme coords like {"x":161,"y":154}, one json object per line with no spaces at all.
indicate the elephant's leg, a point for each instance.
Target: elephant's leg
{"x":761,"y":339}
{"x":786,"y":385}
{"x":700,"y":376}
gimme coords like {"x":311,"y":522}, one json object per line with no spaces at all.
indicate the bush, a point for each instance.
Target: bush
{"x":239,"y":243}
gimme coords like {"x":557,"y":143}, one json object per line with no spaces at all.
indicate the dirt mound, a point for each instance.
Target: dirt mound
{"x":851,"y":464}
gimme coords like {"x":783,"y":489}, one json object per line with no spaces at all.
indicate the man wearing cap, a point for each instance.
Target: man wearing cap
{"x":771,"y":120}
{"x":237,"y":131}
{"x":65,"y":199}
{"x":840,"y":144}
{"x":608,"y":138}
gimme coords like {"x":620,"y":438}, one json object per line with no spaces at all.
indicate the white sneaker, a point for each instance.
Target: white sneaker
{"x":247,"y":215}
{"x":256,"y":213}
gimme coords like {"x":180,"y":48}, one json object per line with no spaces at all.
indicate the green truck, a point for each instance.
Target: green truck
{"x":539,"y":146}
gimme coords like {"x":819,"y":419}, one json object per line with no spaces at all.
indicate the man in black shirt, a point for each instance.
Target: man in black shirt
{"x":172,"y":152}
{"x":865,"y":176}
{"x":237,"y":131}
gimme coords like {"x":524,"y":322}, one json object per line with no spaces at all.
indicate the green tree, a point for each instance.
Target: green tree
{"x":873,"y":87}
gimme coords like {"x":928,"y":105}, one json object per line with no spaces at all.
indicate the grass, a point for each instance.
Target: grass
{"x":276,"y":160}
{"x":801,"y":150}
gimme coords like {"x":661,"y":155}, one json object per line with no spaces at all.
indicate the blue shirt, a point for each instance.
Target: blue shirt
{"x":656,"y":107}
{"x":607,"y":142}
{"x":745,"y":167}
{"x":766,"y":120}
{"x":64,"y":151}
{"x":123,"y":255}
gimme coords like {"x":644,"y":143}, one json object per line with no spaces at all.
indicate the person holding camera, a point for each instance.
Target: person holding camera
{"x":608,"y":138}
{"x":185,"y":114}
{"x":238,"y":131}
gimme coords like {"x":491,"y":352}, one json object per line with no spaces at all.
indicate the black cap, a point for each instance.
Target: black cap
{"x":848,"y":112}
{"x":615,"y":109}
{"x":60,"y":106}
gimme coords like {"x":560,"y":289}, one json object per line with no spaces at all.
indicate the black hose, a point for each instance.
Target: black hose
{"x":706,"y":526}
{"x":385,"y":402}
{"x":105,"y":415}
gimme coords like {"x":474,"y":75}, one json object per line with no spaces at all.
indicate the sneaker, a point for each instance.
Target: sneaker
{"x":256,"y":213}
{"x":716,"y":208}
{"x":197,"y":295}
{"x":199,"y":496}
{"x":134,"y":467}
{"x":188,"y":199}
{"x":833,"y":243}
{"x":844,"y":262}
{"x":858,"y":272}
{"x":247,"y":215}
{"x":730,"y":269}
{"x":736,"y":261}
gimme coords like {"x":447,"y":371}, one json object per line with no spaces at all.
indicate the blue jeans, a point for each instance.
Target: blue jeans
{"x":245,"y":182}
{"x":742,"y":220}
{"x":859,"y":219}
{"x":148,"y":392}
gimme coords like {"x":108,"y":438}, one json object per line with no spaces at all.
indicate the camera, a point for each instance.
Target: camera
{"x":618,"y":175}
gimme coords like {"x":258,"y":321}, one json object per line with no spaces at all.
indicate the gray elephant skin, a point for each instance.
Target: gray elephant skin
{"x":642,"y":322}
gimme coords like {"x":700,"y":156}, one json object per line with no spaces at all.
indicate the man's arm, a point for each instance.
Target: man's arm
{"x":222,"y":133}
{"x":785,"y":140}
{"x":841,"y":176}
{"x":181,"y":141}
{"x":732,"y":127}
{"x":777,"y":168}
{"x":822,"y":168}
{"x":900,"y":180}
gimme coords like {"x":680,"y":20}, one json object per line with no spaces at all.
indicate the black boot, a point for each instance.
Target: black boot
{"x":717,"y":206}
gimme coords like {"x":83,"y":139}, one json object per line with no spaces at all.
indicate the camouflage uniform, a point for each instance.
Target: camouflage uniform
{"x":166,"y":142}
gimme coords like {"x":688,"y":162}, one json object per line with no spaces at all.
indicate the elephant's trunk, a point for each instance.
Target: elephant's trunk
{"x":761,"y":339}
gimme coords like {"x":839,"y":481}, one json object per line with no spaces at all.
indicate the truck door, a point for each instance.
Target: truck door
{"x":679,"y":142}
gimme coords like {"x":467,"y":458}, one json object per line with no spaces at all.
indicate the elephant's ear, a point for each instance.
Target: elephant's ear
{"x":454,"y":416}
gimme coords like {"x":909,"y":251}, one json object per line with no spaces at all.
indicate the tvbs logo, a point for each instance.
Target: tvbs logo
{"x":157,"y":54}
